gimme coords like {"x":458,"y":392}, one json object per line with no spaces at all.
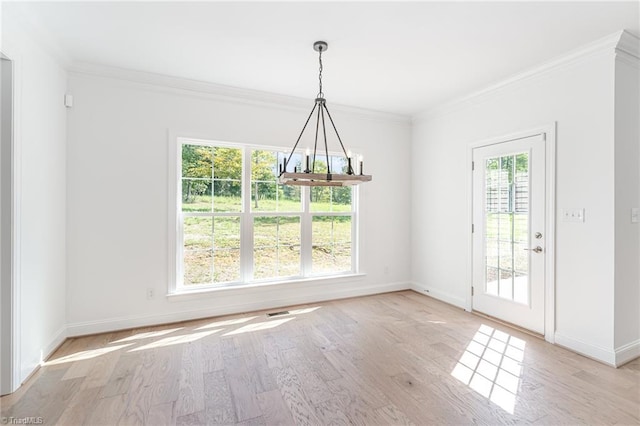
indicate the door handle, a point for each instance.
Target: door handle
{"x":538,"y":249}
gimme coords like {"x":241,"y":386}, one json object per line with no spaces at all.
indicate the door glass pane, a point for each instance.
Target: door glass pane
{"x":507,"y":227}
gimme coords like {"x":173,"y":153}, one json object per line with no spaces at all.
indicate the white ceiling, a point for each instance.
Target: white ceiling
{"x":394,"y":57}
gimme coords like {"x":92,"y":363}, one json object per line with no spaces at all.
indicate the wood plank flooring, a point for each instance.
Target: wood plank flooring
{"x":392,"y":359}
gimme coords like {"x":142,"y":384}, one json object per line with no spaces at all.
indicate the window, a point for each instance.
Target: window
{"x":236,"y":224}
{"x":211,"y":200}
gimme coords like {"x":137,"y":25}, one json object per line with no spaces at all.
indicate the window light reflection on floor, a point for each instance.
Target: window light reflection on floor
{"x":259,"y":326}
{"x":83,"y":355}
{"x":220,"y":326}
{"x":147,"y":335}
{"x":303,"y":310}
{"x":226,"y":322}
{"x":491,"y":366}
{"x":175,"y":340}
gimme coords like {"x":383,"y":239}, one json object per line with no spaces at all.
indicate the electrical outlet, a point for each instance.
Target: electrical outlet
{"x":149,"y":293}
{"x":635,"y":215}
{"x":573,"y":215}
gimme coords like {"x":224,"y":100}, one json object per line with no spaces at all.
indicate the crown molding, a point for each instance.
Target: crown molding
{"x":629,"y":44}
{"x":225,"y":93}
{"x":620,"y":42}
{"x":628,"y":49}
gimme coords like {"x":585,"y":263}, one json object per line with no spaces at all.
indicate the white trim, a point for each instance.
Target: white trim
{"x":597,"y":353}
{"x":320,"y":294}
{"x":11,"y":347}
{"x":628,"y":50}
{"x":16,"y":229}
{"x":468,"y":299}
{"x":17,"y":220}
{"x":188,"y":87}
{"x":439,"y":294}
{"x":621,"y":41}
{"x":549,"y":132}
{"x":550,"y":223}
{"x":629,"y":44}
{"x":246,"y":221}
{"x":173,"y":267}
{"x":626,"y":353}
{"x":257,"y":287}
{"x":58,"y":339}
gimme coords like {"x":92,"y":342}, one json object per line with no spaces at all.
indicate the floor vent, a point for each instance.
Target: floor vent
{"x":275,"y":314}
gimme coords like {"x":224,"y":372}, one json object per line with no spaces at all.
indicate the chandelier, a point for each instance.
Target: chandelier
{"x":309,"y":177}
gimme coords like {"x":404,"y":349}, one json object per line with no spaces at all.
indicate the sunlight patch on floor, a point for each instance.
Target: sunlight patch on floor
{"x":217,"y":324}
{"x":147,"y":335}
{"x":303,"y":310}
{"x":80,"y":356}
{"x":259,"y":326}
{"x":491,"y":366}
{"x":175,"y":340}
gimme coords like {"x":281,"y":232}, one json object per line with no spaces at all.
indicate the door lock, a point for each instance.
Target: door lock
{"x":538,"y":235}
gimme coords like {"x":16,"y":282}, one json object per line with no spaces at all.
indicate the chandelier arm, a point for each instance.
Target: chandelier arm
{"x":326,"y":147}
{"x":315,"y":145}
{"x":299,"y":137}
{"x":338,"y":135}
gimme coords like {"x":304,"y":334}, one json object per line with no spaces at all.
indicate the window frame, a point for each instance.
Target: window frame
{"x":247,"y":216}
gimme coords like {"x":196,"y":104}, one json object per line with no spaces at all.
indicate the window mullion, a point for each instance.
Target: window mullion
{"x":355,"y":229}
{"x":246,"y":229}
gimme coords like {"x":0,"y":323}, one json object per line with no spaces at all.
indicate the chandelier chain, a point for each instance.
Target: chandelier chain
{"x":320,"y":93}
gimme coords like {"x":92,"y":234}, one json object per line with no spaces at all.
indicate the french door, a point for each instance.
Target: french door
{"x":508,"y":231}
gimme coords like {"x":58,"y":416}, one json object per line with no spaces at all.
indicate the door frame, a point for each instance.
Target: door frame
{"x":10,"y":341}
{"x":549,"y":138}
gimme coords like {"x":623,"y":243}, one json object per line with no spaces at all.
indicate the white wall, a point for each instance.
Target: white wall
{"x":627,"y":196}
{"x":40,"y":138}
{"x":117,"y":199}
{"x":578,"y":94}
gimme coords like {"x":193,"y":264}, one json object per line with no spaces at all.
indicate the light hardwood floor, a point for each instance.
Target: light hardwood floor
{"x":398,"y":358}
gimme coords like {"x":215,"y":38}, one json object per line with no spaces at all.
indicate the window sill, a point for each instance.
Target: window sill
{"x":184,"y":295}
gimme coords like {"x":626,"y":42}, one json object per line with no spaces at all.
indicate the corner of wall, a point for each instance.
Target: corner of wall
{"x":443,"y":296}
{"x":40,"y":179}
{"x":627,"y":197}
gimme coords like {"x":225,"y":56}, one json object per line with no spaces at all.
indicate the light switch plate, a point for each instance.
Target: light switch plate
{"x":573,"y":215}
{"x":635,"y":215}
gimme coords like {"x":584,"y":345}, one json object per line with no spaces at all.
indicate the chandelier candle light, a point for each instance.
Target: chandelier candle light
{"x":308,"y":176}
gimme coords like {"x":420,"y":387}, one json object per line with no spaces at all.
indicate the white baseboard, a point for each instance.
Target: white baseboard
{"x":628,"y":352}
{"x":29,"y":367}
{"x":597,"y":353}
{"x":57,"y":340}
{"x":258,"y":303}
{"x":439,"y":294}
